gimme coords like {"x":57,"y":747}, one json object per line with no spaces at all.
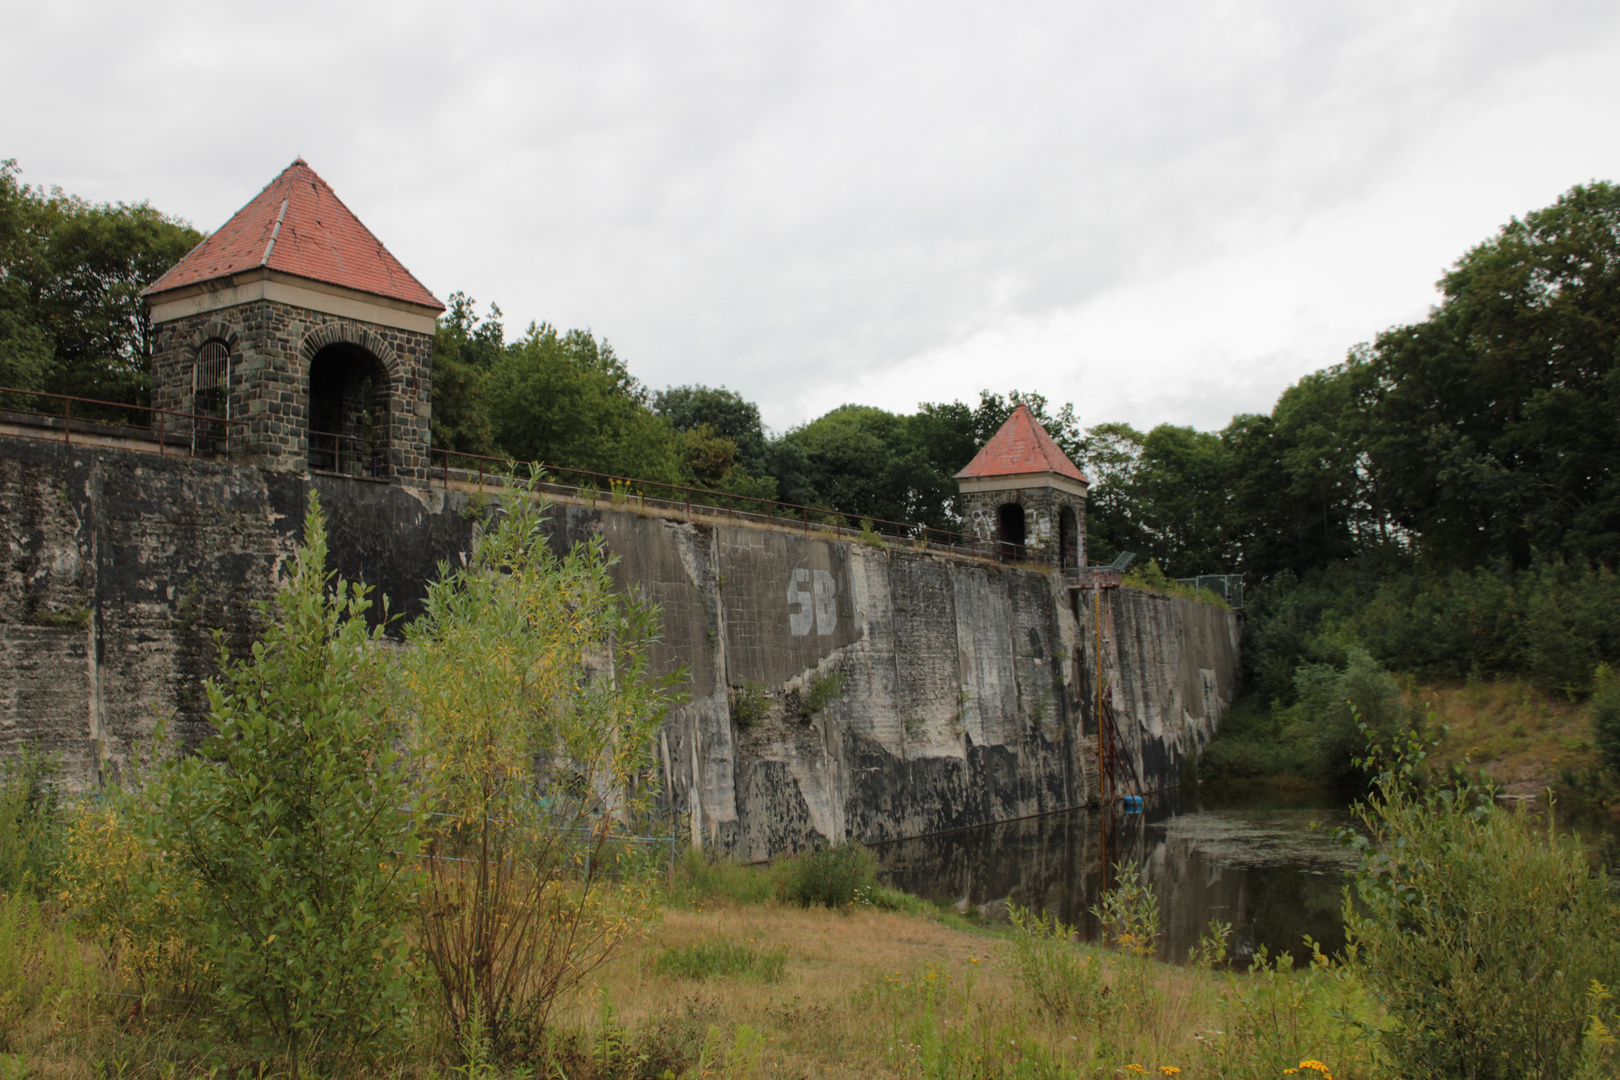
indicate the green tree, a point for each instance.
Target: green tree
{"x":727,"y":416}
{"x":863,"y":461}
{"x":292,"y":826}
{"x":465,"y":350}
{"x":568,"y":401}
{"x":1496,"y":421}
{"x":71,"y":272}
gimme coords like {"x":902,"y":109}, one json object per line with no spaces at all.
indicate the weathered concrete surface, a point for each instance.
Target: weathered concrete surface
{"x":966,"y":688}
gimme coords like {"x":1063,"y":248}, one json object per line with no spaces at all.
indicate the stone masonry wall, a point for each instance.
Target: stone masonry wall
{"x":1042,"y":507}
{"x":271,"y":347}
{"x":966,"y":686}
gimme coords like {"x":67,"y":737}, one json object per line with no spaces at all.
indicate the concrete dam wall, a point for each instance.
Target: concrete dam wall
{"x":953,"y":692}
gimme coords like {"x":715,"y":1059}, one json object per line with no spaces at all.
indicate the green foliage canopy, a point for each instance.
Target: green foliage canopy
{"x":71,"y":272}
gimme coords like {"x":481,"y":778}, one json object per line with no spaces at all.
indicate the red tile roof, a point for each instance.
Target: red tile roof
{"x":297,"y":225}
{"x":1021,"y":446}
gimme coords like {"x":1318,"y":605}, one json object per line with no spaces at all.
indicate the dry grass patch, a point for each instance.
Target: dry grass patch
{"x":1517,"y":735}
{"x":864,"y":991}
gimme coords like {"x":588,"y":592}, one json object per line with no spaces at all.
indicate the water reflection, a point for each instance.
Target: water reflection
{"x":1254,"y":862}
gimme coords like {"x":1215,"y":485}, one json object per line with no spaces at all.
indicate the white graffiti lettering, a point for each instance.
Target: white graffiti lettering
{"x":798,"y":594}
{"x":826,"y":603}
{"x":815,"y":595}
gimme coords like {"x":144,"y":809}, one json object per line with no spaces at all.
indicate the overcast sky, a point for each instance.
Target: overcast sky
{"x":1159,"y":211}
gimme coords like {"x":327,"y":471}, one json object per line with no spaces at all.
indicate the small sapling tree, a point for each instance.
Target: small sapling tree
{"x":291,"y":823}
{"x":534,"y":711}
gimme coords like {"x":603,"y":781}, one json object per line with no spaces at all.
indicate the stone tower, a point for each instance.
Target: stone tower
{"x":301,"y":339}
{"x":1025,"y":495}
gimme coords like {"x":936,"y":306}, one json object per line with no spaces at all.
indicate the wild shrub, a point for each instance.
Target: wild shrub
{"x":1065,"y":980}
{"x":292,"y":828}
{"x":1278,"y":1017}
{"x":884,"y":898}
{"x":1334,"y":702}
{"x":122,"y":891}
{"x":534,"y":717}
{"x":723,"y":957}
{"x":823,"y":690}
{"x":32,"y":822}
{"x":1129,"y":915}
{"x":749,"y":704}
{"x":1605,"y":709}
{"x":1480,"y":931}
{"x":831,"y":876}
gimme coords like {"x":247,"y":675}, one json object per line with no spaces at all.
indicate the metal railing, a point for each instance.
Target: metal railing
{"x":1228,"y":587}
{"x":206,"y":434}
{"x":209,"y":435}
{"x":349,"y":455}
{"x":611,"y":490}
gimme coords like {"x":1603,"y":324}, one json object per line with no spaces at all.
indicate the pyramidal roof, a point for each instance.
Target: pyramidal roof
{"x":299,"y":226}
{"x":1021,"y":446}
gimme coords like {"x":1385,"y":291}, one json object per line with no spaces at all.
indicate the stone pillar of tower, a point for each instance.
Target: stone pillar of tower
{"x":297,"y":340}
{"x":1023,"y":494}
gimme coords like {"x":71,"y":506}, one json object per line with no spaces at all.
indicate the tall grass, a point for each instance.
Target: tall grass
{"x":32,"y":822}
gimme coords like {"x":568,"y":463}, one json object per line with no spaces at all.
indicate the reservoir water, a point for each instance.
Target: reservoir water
{"x":1267,"y":864}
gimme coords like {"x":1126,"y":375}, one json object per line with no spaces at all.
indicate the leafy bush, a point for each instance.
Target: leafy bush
{"x":139,"y":906}
{"x":1278,"y":1018}
{"x":831,"y":876}
{"x":1335,"y":702}
{"x":1129,"y":913}
{"x":535,"y":713}
{"x":1150,"y":578}
{"x":721,"y":957}
{"x":291,"y":823}
{"x":822,"y":691}
{"x":886,"y":899}
{"x":1065,"y":980}
{"x":749,"y":705}
{"x":1480,"y":932}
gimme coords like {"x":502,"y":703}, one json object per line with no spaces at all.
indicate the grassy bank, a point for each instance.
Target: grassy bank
{"x":729,"y":981}
{"x":766,"y":972}
{"x":1522,"y":739}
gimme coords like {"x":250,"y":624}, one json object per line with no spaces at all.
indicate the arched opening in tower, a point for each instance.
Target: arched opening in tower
{"x":1068,"y":538}
{"x":1010,"y":517}
{"x":348,"y":412}
{"x":210,"y":396}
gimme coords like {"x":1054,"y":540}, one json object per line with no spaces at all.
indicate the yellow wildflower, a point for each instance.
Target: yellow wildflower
{"x":1169,"y":1070}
